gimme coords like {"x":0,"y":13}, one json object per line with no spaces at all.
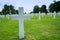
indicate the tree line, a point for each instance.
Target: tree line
{"x":43,"y":9}
{"x":8,"y":9}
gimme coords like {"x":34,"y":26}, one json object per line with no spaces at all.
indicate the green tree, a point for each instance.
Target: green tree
{"x":55,"y":7}
{"x":13,"y":11}
{"x":0,"y":13}
{"x":5,"y":10}
{"x":36,"y":9}
{"x":51,"y":8}
{"x":43,"y":9}
{"x":17,"y":12}
{"x":9,"y":8}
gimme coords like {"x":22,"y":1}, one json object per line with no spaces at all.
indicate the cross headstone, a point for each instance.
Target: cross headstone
{"x":32,"y":15}
{"x":58,"y":13}
{"x":8,"y":16}
{"x":39,"y":15}
{"x":43,"y":14}
{"x":54,"y":15}
{"x":21,"y":19}
{"x":51,"y":14}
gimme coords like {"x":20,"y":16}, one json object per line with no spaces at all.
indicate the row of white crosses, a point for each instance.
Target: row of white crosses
{"x":43,"y":14}
{"x":52,"y":15}
{"x":38,"y":14}
{"x":21,"y":19}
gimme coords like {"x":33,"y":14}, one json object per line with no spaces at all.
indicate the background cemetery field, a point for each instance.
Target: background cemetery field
{"x":45,"y":29}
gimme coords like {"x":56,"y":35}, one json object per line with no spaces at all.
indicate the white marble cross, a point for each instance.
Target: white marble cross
{"x":58,"y":13}
{"x":39,"y":16}
{"x":54,"y":15}
{"x":21,"y":19}
{"x":32,"y":15}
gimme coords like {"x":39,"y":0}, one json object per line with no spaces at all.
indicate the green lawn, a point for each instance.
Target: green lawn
{"x":8,"y":29}
{"x":45,"y":29}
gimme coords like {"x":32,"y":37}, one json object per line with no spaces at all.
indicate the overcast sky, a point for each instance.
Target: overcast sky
{"x":27,"y":4}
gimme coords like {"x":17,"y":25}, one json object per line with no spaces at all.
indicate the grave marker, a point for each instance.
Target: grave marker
{"x":54,"y":15}
{"x":32,"y":15}
{"x":58,"y":13}
{"x":21,"y":19}
{"x":39,"y":15}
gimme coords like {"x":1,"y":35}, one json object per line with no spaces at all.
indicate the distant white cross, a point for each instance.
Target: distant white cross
{"x":21,"y":17}
{"x":54,"y":15}
{"x":39,"y":15}
{"x":58,"y":13}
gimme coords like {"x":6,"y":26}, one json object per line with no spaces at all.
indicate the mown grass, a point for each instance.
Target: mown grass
{"x":8,"y":29}
{"x":46,"y":28}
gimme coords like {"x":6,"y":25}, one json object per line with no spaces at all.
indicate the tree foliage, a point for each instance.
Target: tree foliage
{"x":54,"y":7}
{"x":36,"y":9}
{"x":9,"y":8}
{"x":0,"y":13}
{"x":5,"y":10}
{"x":13,"y":11}
{"x":51,"y":8}
{"x":43,"y":9}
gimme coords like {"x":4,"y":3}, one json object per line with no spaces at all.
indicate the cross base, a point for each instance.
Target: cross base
{"x":22,"y":39}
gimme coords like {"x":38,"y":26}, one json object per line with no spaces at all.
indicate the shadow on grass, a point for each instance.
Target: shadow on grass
{"x":22,"y":39}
